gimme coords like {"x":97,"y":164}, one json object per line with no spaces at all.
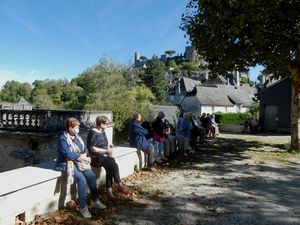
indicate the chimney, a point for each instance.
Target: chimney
{"x":237,"y":78}
{"x":136,"y":58}
{"x":263,"y":81}
{"x":206,"y":76}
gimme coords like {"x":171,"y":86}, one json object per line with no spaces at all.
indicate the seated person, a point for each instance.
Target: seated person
{"x":101,"y":154}
{"x":137,"y":138}
{"x":71,"y":148}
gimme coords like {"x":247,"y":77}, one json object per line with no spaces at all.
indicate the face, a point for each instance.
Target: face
{"x":74,"y":130}
{"x":104,"y":125}
{"x":139,"y":118}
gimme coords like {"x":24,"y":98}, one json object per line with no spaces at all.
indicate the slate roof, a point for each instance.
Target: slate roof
{"x":189,"y":83}
{"x":222,"y":95}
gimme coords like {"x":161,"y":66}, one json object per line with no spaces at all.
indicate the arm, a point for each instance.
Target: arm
{"x":139,"y":130}
{"x":64,"y":149}
{"x":101,"y":150}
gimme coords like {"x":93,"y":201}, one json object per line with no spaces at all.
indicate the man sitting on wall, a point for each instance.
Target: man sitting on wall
{"x":137,"y":139}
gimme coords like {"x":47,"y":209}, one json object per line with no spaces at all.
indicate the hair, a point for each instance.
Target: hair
{"x":101,"y":120}
{"x":72,"y":122}
{"x":161,"y":114}
{"x":136,"y":115}
{"x":150,"y":119}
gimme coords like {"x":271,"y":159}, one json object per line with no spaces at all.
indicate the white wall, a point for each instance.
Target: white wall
{"x":206,"y":109}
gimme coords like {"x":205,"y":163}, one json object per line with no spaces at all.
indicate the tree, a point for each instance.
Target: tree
{"x":190,"y":67}
{"x":235,"y":35}
{"x":170,"y":52}
{"x":154,"y":77}
{"x":100,"y":83}
{"x":13,"y":90}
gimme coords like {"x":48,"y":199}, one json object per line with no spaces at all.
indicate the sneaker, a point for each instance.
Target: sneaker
{"x":97,"y":204}
{"x":85,"y":213}
{"x":192,"y":152}
{"x":164,"y":158}
{"x":158,"y":160}
{"x":152,"y":169}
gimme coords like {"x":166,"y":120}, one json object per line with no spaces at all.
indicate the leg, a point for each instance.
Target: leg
{"x":91,"y":179}
{"x":81,"y":187}
{"x":150,"y":153}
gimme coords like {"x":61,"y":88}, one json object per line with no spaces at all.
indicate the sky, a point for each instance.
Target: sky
{"x":60,"y":39}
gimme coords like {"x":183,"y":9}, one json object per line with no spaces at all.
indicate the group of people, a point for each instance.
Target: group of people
{"x":208,"y":122}
{"x":251,"y":125}
{"x":150,"y":136}
{"x":76,"y":158}
{"x":154,"y":136}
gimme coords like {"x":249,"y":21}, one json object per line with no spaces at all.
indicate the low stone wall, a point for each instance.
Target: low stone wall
{"x":39,"y":189}
{"x":233,"y":128}
{"x":19,"y":149}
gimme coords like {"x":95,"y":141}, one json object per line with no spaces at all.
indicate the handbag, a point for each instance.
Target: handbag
{"x":83,"y":165}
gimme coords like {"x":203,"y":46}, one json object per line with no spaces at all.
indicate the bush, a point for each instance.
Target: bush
{"x":232,"y":118}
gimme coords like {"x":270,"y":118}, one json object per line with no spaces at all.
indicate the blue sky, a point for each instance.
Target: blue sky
{"x":59,"y":39}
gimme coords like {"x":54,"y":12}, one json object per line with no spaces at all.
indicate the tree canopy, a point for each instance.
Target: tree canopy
{"x":235,"y":35}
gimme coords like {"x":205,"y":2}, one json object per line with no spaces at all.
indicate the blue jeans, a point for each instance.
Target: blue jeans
{"x":158,"y":148}
{"x":82,"y":178}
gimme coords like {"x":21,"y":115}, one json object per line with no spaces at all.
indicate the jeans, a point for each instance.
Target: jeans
{"x":158,"y":148}
{"x":82,"y":178}
{"x":149,"y":151}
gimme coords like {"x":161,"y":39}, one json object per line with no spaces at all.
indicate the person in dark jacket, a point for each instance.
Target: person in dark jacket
{"x":101,"y":154}
{"x":159,"y":127}
{"x":137,"y":138}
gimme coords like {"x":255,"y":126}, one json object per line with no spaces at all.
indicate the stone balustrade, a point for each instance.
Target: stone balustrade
{"x":45,"y":120}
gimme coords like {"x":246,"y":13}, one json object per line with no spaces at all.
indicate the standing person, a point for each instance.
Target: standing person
{"x":185,"y":131}
{"x":101,"y":154}
{"x":212,"y":127}
{"x":71,"y":151}
{"x":180,"y":138}
{"x":206,"y":122}
{"x":159,"y":127}
{"x":137,"y":138}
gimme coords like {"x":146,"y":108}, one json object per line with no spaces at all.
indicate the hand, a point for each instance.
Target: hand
{"x":88,"y":159}
{"x":109,"y":152}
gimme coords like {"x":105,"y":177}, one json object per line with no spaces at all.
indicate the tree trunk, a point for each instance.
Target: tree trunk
{"x":295,"y":104}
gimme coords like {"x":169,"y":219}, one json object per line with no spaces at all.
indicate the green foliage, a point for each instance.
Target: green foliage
{"x":12,"y":91}
{"x":232,"y":118}
{"x":53,"y":94}
{"x":104,"y":87}
{"x":254,"y":109}
{"x":170,"y":52}
{"x":172,"y":65}
{"x":154,"y":78}
{"x":190,"y":67}
{"x":235,"y":35}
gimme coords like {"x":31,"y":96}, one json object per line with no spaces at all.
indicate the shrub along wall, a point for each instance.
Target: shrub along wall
{"x":232,"y":118}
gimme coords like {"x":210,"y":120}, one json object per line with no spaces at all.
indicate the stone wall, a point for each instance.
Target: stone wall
{"x":25,"y":148}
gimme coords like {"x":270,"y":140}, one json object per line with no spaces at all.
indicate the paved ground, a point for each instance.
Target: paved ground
{"x":237,"y":179}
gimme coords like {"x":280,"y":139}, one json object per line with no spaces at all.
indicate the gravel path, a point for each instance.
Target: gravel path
{"x":237,"y":179}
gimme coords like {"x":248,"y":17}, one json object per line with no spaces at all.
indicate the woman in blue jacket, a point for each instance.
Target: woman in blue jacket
{"x":71,"y":151}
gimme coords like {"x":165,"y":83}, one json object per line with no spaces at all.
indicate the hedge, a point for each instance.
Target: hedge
{"x":232,"y":118}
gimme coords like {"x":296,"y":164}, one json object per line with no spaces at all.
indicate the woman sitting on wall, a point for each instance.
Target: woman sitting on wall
{"x":73,"y":158}
{"x":101,"y":154}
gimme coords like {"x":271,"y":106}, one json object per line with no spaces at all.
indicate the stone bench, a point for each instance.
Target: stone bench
{"x":39,"y":189}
